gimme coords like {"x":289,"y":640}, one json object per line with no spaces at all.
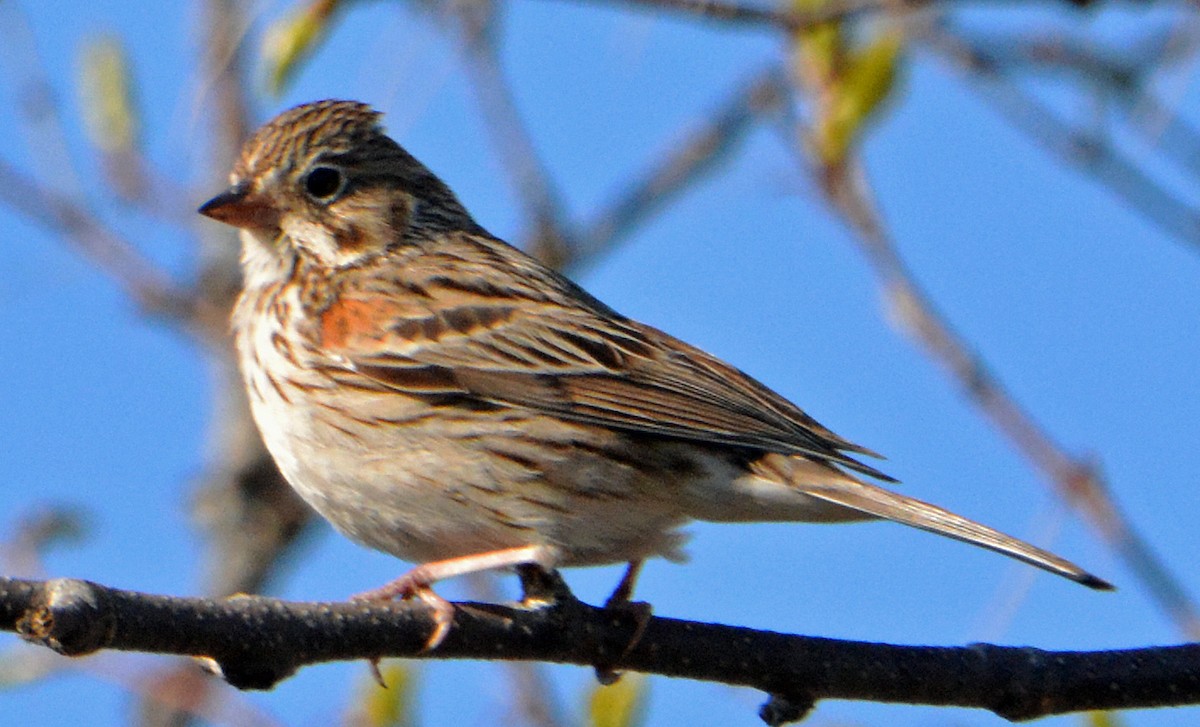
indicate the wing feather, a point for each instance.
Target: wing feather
{"x":568,"y":355}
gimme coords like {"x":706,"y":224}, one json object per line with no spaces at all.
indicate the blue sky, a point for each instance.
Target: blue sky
{"x":1085,"y":310}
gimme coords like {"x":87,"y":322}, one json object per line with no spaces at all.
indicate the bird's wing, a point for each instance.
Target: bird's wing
{"x":550,"y":347}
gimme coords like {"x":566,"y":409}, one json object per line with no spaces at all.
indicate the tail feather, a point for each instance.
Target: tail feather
{"x":888,"y":505}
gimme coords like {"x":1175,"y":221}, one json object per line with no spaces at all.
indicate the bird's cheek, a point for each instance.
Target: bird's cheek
{"x":350,"y":240}
{"x":312,"y":236}
{"x":334,"y":245}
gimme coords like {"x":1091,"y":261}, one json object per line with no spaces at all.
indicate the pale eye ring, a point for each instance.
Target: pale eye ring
{"x":324,"y":183}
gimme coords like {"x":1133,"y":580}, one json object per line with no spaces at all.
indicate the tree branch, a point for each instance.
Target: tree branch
{"x":697,"y":154}
{"x":141,"y":280}
{"x":1078,"y":480}
{"x":791,"y":21}
{"x":255,"y":642}
{"x":550,"y":237}
{"x":1096,"y":155}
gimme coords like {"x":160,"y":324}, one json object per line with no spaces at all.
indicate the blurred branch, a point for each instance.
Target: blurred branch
{"x":247,"y":511}
{"x":21,"y":665}
{"x":1058,"y":53}
{"x":695,"y":156}
{"x":554,"y":239}
{"x":1084,"y":149}
{"x":1077,"y":481}
{"x":38,"y":103}
{"x":35,"y":533}
{"x":113,"y":122}
{"x":222,"y":68}
{"x":255,"y":642}
{"x":534,"y":694}
{"x":141,"y":280}
{"x":251,"y":514}
{"x":551,"y":239}
{"x":785,"y":20}
{"x":1123,"y":74}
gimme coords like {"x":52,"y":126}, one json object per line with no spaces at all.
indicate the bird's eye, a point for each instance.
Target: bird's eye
{"x":323,"y":183}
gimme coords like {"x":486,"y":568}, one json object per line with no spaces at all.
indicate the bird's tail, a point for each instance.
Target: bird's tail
{"x":867,"y":498}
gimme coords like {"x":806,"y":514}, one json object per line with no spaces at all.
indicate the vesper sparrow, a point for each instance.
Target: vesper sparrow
{"x":441,"y":396}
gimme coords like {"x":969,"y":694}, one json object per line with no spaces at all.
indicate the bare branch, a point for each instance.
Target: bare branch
{"x":1089,"y":152}
{"x":694,"y":157}
{"x":36,"y":532}
{"x":788,"y":21}
{"x":551,"y":238}
{"x":535,"y":698}
{"x":38,"y":104}
{"x":251,"y":514}
{"x":1078,"y":481}
{"x":255,"y":642}
{"x":1122,"y":73}
{"x":222,"y":68}
{"x":141,"y":280}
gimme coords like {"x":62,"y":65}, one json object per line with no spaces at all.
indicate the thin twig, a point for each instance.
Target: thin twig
{"x":1095,"y":156}
{"x":533,"y":692}
{"x":38,"y":104}
{"x":689,"y":161}
{"x":1076,"y":480}
{"x":1123,"y":74}
{"x":141,"y":279}
{"x":550,"y":238}
{"x":789,"y":21}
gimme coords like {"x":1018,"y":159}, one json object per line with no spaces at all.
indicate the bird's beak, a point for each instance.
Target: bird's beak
{"x":241,"y":207}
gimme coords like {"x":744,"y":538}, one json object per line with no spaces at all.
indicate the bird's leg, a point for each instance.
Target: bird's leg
{"x":622,"y":594}
{"x":641,"y":612}
{"x":542,"y":586}
{"x":417,"y":582}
